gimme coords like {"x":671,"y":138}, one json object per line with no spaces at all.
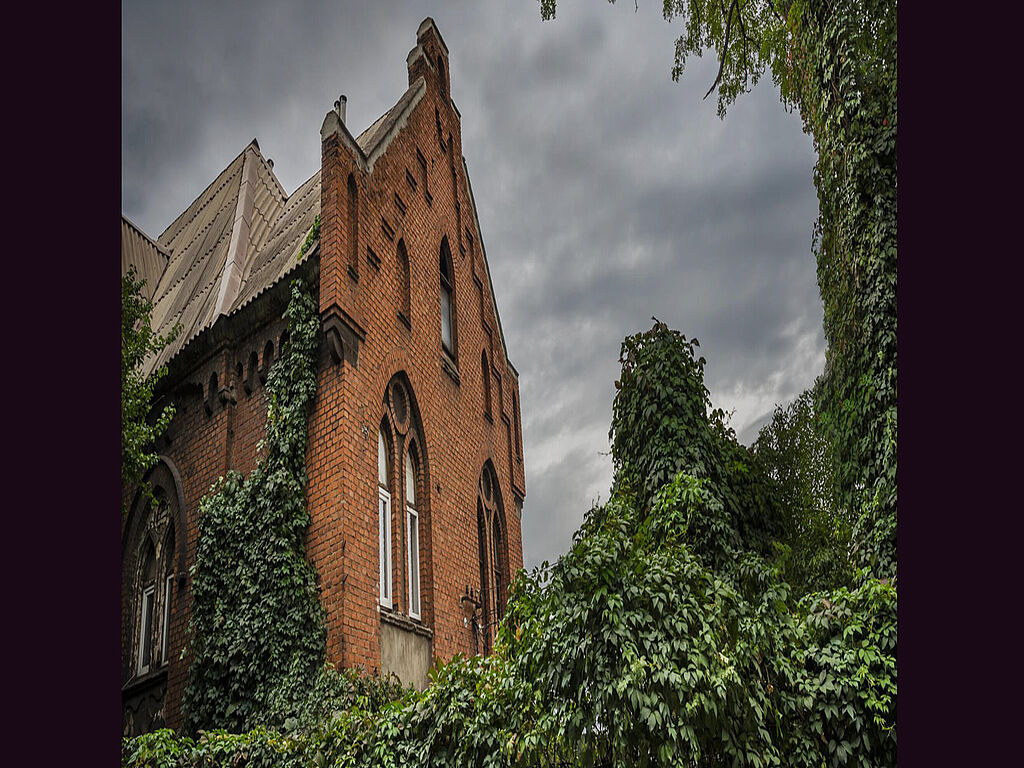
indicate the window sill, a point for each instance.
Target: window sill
{"x":449,"y":367}
{"x":145,"y":680}
{"x":402,"y":621}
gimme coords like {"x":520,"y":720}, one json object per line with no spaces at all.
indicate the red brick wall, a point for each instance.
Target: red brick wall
{"x":342,"y":460}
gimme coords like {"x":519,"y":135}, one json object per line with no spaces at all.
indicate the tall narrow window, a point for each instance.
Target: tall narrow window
{"x":499,"y":604}
{"x":353,"y":225}
{"x":405,"y":278}
{"x":486,"y":376}
{"x":168,"y":591}
{"x":412,"y":535}
{"x":492,"y":562}
{"x":147,"y":604}
{"x":517,"y":425}
{"x":384,"y":519}
{"x":447,"y":300}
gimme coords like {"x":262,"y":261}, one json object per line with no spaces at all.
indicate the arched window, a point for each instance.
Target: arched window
{"x":147,"y":607}
{"x":384,"y":517}
{"x":412,"y":535}
{"x":493,"y":581}
{"x":168,"y":593}
{"x":405,"y":280}
{"x":486,"y":376}
{"x":268,"y":360}
{"x":447,"y":300}
{"x":517,"y":425}
{"x":353,"y":225}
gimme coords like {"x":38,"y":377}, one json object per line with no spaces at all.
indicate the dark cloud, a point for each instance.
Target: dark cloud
{"x":606,"y":192}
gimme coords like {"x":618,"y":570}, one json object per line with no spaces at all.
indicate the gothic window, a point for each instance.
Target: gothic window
{"x":447,"y":300}
{"x":384,"y":517}
{"x":517,"y":425}
{"x":486,"y":376}
{"x":493,"y":581}
{"x":412,"y":536}
{"x":168,"y":593}
{"x":147,"y":606}
{"x":405,"y":278}
{"x":353,"y":225}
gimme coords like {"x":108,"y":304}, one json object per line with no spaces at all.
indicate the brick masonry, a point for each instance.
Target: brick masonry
{"x":220,"y":422}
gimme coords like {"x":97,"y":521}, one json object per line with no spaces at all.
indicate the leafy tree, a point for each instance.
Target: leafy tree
{"x":836,"y":63}
{"x":139,"y":430}
{"x":662,"y":637}
{"x":794,"y":451}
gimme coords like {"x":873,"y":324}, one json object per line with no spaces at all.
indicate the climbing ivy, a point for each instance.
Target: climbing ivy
{"x":835,"y":62}
{"x":140,"y":424}
{"x":256,"y":635}
{"x":664,"y":636}
{"x":311,"y":237}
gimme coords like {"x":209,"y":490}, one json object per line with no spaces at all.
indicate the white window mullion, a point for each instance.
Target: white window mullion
{"x":146,"y":630}
{"x":385,"y":547}
{"x":412,"y":536}
{"x":168,"y":591}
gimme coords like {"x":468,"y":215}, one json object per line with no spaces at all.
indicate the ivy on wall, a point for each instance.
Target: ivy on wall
{"x":666,"y":635}
{"x":257,"y":634}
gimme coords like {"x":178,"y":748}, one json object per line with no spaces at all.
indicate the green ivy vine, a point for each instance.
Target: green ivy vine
{"x":665,"y":635}
{"x":257,"y":633}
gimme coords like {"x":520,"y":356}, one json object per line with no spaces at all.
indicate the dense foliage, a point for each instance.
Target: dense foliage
{"x":140,"y":426}
{"x":257,"y":636}
{"x":835,"y":61}
{"x":663,"y":637}
{"x":794,"y":451}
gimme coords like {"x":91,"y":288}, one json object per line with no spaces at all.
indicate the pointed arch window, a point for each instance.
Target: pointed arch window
{"x":405,"y":280}
{"x":353,"y":226}
{"x":447,"y":300}
{"x":168,"y":593}
{"x":412,"y":534}
{"x":384,"y":518}
{"x":147,"y":608}
{"x":493,"y":582}
{"x":485,"y":374}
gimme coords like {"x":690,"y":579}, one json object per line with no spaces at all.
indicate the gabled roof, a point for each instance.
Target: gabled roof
{"x":238,"y":238}
{"x":140,"y":250}
{"x":241,"y":236}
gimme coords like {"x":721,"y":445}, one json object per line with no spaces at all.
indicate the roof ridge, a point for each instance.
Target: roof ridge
{"x":234,"y":160}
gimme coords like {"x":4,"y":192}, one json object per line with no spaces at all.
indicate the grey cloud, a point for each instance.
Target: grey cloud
{"x":606,"y":192}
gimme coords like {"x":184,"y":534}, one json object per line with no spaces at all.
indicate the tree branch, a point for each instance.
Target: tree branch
{"x":725,"y":48}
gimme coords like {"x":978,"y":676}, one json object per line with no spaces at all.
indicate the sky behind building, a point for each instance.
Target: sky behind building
{"x":606,"y":192}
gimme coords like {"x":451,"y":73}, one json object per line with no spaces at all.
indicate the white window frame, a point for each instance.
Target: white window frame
{"x":414,"y":559}
{"x":146,"y":628}
{"x":384,"y":540}
{"x":168,"y":591}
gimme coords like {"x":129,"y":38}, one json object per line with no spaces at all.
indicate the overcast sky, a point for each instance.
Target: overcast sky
{"x":606,"y":192}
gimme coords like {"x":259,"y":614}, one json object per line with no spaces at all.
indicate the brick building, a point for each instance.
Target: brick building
{"x":415,"y":460}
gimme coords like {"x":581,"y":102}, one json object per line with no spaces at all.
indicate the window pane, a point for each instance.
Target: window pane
{"x":410,"y":479}
{"x":382,"y":460}
{"x":414,"y":563}
{"x":446,"y":317}
{"x":385,"y":548}
{"x":168,"y":591}
{"x":146,"y":630}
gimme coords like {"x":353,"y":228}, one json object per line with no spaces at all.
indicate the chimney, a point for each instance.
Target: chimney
{"x":339,"y":107}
